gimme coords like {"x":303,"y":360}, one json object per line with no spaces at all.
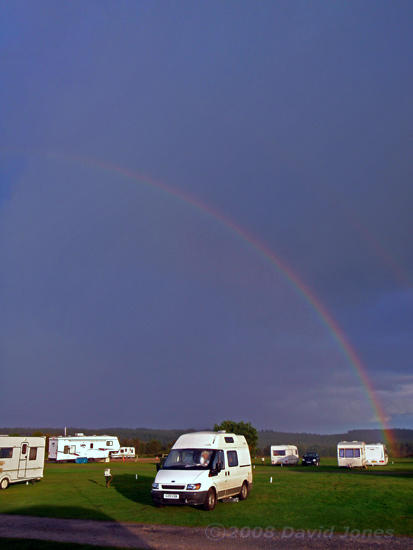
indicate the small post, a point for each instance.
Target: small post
{"x":270,"y":479}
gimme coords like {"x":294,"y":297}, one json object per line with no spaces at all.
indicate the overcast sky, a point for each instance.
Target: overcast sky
{"x":200,"y":203}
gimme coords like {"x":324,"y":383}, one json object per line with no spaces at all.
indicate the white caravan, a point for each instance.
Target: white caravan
{"x":82,"y":448}
{"x":21,"y":459}
{"x":124,"y":452}
{"x":204,"y":467}
{"x":351,"y":454}
{"x":376,"y":454}
{"x":284,"y":455}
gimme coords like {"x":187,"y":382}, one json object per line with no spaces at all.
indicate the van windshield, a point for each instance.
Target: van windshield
{"x":193,"y":459}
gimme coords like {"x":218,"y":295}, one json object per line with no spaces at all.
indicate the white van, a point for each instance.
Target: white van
{"x":204,"y":467}
{"x":351,"y":454}
{"x":285,"y":455}
{"x":376,"y":454}
{"x":21,"y":459}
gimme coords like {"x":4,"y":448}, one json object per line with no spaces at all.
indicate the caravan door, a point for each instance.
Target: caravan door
{"x":24,"y":453}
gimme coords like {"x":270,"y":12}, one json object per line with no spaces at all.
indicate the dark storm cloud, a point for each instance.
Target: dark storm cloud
{"x":290,"y":126}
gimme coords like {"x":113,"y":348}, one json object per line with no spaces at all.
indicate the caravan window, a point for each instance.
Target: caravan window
{"x":33,"y":453}
{"x":109,"y":443}
{"x":278,"y":453}
{"x":349,"y":453}
{"x":6,"y":452}
{"x":91,"y":445}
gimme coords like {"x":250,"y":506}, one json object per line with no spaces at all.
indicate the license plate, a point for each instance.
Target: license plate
{"x":171,"y":496}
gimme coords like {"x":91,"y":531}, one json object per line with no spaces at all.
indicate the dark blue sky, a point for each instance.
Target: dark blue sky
{"x":150,"y":152}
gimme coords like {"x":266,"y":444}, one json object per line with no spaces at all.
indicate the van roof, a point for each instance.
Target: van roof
{"x":209,"y":439}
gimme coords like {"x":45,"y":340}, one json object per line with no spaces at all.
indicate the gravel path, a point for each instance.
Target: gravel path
{"x":161,"y":537}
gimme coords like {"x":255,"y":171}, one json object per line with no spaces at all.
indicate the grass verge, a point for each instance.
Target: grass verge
{"x":298,"y":497}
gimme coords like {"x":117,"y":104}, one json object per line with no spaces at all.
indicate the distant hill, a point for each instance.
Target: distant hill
{"x":325,"y":445}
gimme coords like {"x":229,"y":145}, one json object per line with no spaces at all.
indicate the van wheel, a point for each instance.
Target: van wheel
{"x":244,"y":491}
{"x":210,"y":501}
{"x":4,"y":483}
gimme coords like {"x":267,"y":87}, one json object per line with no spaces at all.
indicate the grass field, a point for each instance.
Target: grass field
{"x":298,"y":497}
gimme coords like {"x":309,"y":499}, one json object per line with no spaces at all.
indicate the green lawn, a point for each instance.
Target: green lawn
{"x":299,"y":497}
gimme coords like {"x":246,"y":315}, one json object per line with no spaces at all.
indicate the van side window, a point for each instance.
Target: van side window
{"x":33,"y":453}
{"x":219,"y":458}
{"x":229,"y":439}
{"x":232,"y":458}
{"x":6,"y":452}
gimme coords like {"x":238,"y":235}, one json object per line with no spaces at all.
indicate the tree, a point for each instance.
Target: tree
{"x":153,"y":447}
{"x":241,"y":428}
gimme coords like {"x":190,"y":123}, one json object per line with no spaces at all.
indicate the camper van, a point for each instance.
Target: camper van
{"x":21,"y":459}
{"x":202,"y":468}
{"x":81,"y":448}
{"x":376,"y":455}
{"x":124,"y":452}
{"x":284,"y":455}
{"x":351,"y":454}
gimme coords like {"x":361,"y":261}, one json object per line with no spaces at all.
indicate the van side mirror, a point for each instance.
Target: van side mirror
{"x":215,"y":471}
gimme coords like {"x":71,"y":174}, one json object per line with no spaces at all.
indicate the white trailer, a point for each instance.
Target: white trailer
{"x":124,"y":452}
{"x":21,"y":459}
{"x":284,"y":455}
{"x":81,"y":448}
{"x":376,"y":454}
{"x":351,"y":454}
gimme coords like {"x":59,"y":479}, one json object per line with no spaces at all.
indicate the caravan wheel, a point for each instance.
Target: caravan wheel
{"x":4,"y":483}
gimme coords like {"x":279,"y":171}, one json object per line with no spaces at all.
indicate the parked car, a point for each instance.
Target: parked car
{"x":311,"y":459}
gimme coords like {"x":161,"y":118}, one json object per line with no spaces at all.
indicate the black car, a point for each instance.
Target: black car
{"x":311,"y":459}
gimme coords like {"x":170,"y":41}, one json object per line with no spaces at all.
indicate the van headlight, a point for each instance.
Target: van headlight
{"x":193,"y":486}
{"x":155,"y":485}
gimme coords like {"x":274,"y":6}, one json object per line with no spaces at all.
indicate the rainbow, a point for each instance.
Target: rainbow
{"x":269,"y":256}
